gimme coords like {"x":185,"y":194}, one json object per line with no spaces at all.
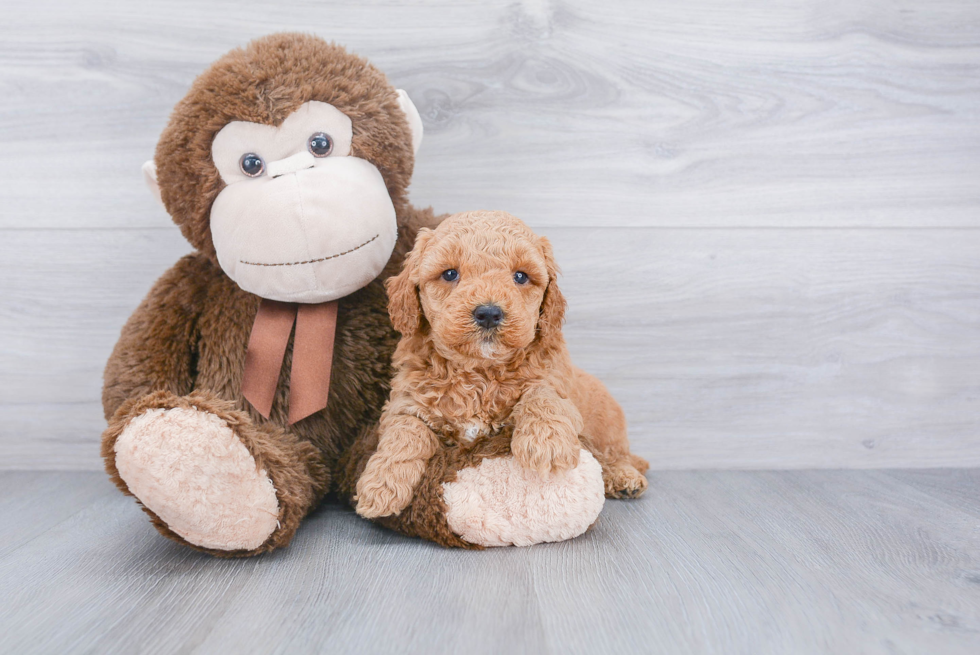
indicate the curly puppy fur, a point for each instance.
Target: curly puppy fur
{"x":184,"y":347}
{"x":457,"y":381}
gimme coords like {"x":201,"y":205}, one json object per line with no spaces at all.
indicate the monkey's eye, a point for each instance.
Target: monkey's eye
{"x":251,"y":164}
{"x":521,"y":277}
{"x":320,"y":144}
{"x":450,"y":275}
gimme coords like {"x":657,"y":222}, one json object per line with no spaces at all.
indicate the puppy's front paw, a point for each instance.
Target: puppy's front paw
{"x":382,"y":493}
{"x":546,"y":446}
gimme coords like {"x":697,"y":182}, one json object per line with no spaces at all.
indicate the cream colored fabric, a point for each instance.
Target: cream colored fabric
{"x":500,"y":503}
{"x":150,"y":178}
{"x":311,"y":236}
{"x":274,"y":143}
{"x":309,"y":229}
{"x":291,"y":164}
{"x":414,"y":120}
{"x":190,"y":469}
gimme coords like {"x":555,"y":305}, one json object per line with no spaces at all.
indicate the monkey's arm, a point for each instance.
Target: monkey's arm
{"x":158,"y":347}
{"x":546,"y":430}
{"x":404,"y":449}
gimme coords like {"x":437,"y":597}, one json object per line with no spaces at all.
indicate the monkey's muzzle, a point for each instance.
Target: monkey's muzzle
{"x":303,"y":233}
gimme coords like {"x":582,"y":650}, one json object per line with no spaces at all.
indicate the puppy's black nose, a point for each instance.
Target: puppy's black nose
{"x":488,"y":316}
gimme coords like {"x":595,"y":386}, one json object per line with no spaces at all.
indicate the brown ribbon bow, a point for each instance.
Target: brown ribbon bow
{"x":309,"y":378}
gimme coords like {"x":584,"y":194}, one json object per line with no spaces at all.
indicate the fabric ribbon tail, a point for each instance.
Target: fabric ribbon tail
{"x":309,"y":380}
{"x":266,"y":349}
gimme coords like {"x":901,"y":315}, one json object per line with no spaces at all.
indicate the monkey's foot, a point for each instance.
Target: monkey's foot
{"x":501,"y":503}
{"x":190,"y":469}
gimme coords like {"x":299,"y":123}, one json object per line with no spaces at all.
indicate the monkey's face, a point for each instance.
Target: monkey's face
{"x":286,"y":163}
{"x":300,"y":219}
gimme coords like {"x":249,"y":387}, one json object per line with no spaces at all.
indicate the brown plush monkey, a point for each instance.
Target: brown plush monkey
{"x":286,"y":167}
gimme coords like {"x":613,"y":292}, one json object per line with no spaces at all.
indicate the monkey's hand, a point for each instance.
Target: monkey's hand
{"x":546,"y":429}
{"x":388,"y":483}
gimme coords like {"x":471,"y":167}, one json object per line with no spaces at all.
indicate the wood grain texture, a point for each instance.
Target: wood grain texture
{"x":746,"y":348}
{"x":708,"y":562}
{"x":767,"y":212}
{"x":570,"y":113}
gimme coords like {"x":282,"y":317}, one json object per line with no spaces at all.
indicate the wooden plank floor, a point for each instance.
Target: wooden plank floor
{"x":708,"y":562}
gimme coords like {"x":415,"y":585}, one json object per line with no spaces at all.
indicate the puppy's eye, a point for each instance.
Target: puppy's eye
{"x":521,"y":277}
{"x":320,"y":144}
{"x":251,"y":164}
{"x":450,"y":275}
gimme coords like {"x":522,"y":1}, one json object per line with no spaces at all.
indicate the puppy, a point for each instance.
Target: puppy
{"x":480,"y":314}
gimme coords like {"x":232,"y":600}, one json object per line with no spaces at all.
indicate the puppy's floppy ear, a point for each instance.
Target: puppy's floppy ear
{"x":553,"y":304}
{"x":403,"y":289}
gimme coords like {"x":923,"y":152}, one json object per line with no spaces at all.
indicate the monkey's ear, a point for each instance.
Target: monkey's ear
{"x":404,"y":306}
{"x":414,"y":120}
{"x":150,"y":177}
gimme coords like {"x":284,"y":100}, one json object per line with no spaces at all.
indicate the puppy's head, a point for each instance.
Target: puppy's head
{"x":482,"y":285}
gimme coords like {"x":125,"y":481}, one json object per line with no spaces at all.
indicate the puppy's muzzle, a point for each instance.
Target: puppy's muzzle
{"x":488,"y":317}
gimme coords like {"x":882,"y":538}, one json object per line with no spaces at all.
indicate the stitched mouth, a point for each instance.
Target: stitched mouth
{"x":313,"y":261}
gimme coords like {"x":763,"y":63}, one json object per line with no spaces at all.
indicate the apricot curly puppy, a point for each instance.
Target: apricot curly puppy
{"x":480,"y":312}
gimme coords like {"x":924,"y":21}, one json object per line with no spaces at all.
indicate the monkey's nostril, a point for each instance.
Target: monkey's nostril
{"x":488,"y":316}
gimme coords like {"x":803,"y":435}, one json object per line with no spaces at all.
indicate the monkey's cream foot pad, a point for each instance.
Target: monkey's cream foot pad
{"x":500,"y":503}
{"x":190,"y":469}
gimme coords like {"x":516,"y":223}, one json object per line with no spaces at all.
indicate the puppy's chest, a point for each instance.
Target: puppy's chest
{"x":465,"y":412}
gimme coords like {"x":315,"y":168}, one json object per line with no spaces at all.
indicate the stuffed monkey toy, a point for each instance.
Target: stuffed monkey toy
{"x":250,"y":380}
{"x":254,"y":361}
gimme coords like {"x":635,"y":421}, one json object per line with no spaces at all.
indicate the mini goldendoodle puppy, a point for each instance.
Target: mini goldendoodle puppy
{"x":482,"y":354}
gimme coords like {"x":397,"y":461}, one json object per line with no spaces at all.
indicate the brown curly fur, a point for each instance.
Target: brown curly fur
{"x":452,"y":375}
{"x":186,"y":342}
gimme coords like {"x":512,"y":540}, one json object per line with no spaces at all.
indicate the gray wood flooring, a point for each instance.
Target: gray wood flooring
{"x":722,"y":562}
{"x":768,"y":214}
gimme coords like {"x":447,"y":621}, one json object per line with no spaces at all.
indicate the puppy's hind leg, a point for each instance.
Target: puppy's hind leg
{"x":605,"y":436}
{"x":623,"y":478}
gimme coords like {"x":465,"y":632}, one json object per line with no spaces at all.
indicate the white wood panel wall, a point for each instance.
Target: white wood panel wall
{"x":767,"y":212}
